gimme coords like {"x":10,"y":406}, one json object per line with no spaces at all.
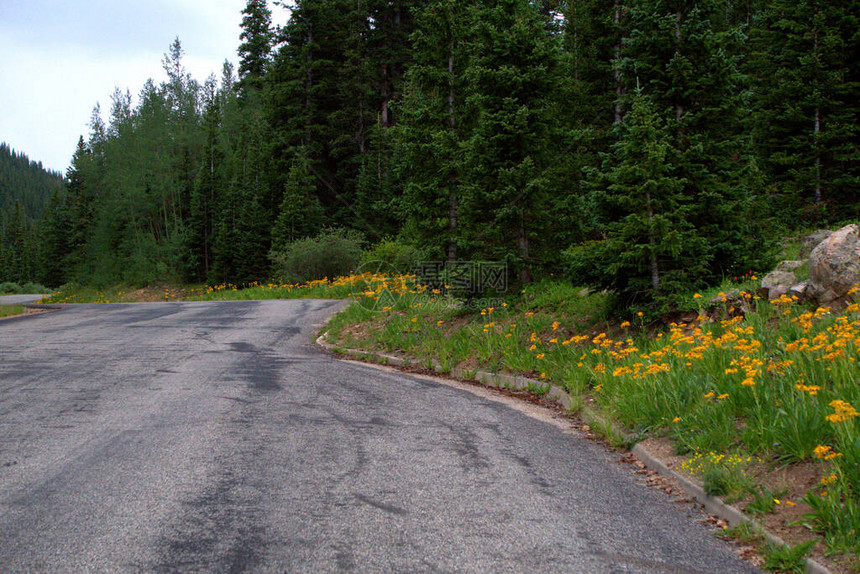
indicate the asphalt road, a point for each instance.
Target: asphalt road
{"x":18,"y":299}
{"x":183,"y":437}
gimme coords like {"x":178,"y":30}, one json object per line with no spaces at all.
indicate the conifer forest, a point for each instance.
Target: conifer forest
{"x":648,"y":147}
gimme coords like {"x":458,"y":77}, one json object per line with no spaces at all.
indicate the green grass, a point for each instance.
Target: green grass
{"x":764,"y":500}
{"x":786,"y":558}
{"x":80,"y":294}
{"x":745,"y":533}
{"x":11,"y":310}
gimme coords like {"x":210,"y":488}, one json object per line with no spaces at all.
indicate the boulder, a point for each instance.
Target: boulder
{"x":730,"y":296}
{"x":834,"y":266}
{"x":812,"y":241}
{"x":799,"y":290}
{"x":777,"y":283}
{"x":790,"y":266}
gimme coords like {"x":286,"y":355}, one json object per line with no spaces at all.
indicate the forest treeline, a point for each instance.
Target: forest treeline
{"x":645,"y":146}
{"x":26,"y":187}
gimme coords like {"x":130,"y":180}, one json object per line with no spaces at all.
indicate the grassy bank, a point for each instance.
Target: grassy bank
{"x":10,"y":310}
{"x":340,"y":288}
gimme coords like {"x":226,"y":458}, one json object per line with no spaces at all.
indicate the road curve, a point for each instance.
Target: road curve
{"x":214,"y":437}
{"x":19,"y":299}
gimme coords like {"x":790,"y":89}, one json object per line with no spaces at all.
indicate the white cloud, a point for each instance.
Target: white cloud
{"x":62,"y":57}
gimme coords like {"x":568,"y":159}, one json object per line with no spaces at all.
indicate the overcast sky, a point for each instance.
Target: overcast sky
{"x":60,"y":57}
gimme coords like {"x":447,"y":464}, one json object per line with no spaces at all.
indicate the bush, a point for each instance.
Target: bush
{"x":402,"y":256}
{"x":333,"y":253}
{"x":35,"y":289}
{"x":10,"y":288}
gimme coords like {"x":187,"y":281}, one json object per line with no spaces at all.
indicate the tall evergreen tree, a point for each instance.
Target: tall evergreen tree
{"x":80,"y":200}
{"x":652,"y":249}
{"x":300,"y":213}
{"x":689,"y":69}
{"x":806,"y":59}
{"x":55,"y":245}
{"x":512,"y":77}
{"x":254,"y":51}
{"x":208,"y":186}
{"x":436,"y":119}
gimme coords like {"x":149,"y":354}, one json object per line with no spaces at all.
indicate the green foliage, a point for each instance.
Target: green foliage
{"x":301,"y":214}
{"x":745,"y":533}
{"x":10,"y":288}
{"x":787,"y":558}
{"x":10,"y":310}
{"x":806,"y":107}
{"x":332,"y":253}
{"x":256,"y":36}
{"x":25,"y":189}
{"x":645,"y":146}
{"x":764,"y":500}
{"x":652,"y":249}
{"x":402,"y":257}
{"x":25,"y":182}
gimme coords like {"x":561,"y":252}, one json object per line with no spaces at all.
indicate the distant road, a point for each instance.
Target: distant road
{"x":214,"y":437}
{"x":19,"y":299}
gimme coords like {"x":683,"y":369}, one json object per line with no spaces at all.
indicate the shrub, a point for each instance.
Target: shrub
{"x":401,"y":256}
{"x":10,"y":288}
{"x":34,"y":288}
{"x":333,"y":253}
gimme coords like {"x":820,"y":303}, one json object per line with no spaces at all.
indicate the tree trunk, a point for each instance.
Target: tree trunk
{"x":619,"y":87}
{"x":523,"y":245}
{"x":679,"y":107}
{"x":655,"y":270}
{"x":452,"y":177}
{"x":816,"y":131}
{"x":309,"y":82}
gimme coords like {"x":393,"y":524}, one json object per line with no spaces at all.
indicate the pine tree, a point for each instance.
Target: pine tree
{"x":207,"y":187}
{"x":80,"y":201}
{"x":806,"y":58}
{"x":254,"y":51}
{"x":512,"y":74}
{"x":436,"y":119}
{"x":315,"y":102}
{"x":651,"y":248}
{"x":300,"y":213}
{"x":689,"y":70}
{"x":55,"y":242}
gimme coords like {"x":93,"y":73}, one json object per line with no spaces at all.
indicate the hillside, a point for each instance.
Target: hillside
{"x":25,"y":190}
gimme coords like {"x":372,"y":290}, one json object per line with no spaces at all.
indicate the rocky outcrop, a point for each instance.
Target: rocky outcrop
{"x":790,"y":266}
{"x":834,"y":266}
{"x":782,"y":280}
{"x":812,"y":241}
{"x":777,"y":283}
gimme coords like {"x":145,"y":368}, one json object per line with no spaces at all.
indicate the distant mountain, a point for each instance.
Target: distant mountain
{"x":25,"y":182}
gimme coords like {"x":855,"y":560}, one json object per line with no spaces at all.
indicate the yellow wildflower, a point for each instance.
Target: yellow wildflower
{"x":844,"y":412}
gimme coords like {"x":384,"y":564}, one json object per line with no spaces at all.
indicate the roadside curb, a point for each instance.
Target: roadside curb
{"x":45,"y":306}
{"x":712,"y":504}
